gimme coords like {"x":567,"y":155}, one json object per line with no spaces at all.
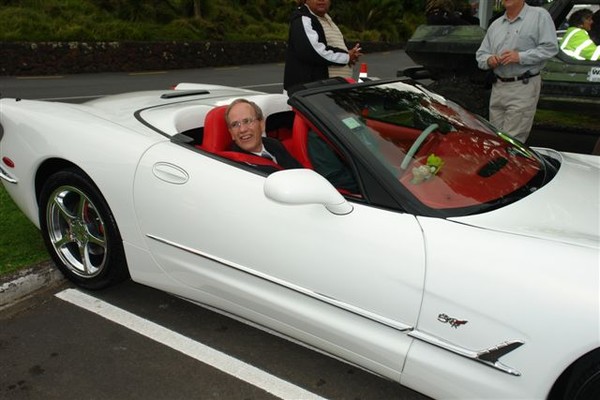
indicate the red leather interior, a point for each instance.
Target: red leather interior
{"x":217,"y":140}
{"x":247,"y":158}
{"x":216,"y":135}
{"x":401,"y":136}
{"x":299,"y":145}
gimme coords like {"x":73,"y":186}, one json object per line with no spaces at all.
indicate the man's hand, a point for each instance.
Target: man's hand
{"x":509,"y":57}
{"x":354,"y":54}
{"x":493,"y":61}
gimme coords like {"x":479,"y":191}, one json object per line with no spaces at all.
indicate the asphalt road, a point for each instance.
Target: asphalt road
{"x":135,"y":342}
{"x":51,"y":349}
{"x":263,"y":77}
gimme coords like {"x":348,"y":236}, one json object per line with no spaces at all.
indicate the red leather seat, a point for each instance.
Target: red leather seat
{"x":249,"y":159}
{"x":216,"y":135}
{"x":299,"y":148}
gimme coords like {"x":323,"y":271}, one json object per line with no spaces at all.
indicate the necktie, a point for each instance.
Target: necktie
{"x":266,"y":155}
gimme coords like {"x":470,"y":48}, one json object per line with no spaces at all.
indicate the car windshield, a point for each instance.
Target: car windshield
{"x":444,"y":157}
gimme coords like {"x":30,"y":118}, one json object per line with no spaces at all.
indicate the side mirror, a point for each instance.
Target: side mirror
{"x":304,"y":186}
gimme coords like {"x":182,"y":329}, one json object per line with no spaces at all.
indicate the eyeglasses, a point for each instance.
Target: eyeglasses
{"x":244,"y":122}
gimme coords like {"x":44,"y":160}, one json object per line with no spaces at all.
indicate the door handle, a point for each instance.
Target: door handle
{"x":170,"y":173}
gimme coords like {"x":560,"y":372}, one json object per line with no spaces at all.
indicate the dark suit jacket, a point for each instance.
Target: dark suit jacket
{"x":278,"y":150}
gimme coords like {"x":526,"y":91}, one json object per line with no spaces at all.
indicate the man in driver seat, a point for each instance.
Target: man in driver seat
{"x":246,"y":125}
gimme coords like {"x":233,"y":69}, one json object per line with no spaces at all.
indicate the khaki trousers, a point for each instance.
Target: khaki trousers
{"x":513,"y":106}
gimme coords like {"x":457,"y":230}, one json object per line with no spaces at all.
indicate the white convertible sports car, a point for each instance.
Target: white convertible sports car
{"x":417,"y":242}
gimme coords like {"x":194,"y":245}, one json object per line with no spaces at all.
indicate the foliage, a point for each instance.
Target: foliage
{"x":237,"y":20}
{"x":574,"y":120}
{"x":384,"y":16}
{"x":21,"y":244}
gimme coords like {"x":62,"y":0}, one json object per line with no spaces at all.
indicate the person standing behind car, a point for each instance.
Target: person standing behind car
{"x":334,"y":38}
{"x":576,"y":41}
{"x":308,"y":54}
{"x":516,"y":47}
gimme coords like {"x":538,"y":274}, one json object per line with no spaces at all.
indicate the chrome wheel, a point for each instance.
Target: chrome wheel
{"x":80,"y":231}
{"x":76,"y":231}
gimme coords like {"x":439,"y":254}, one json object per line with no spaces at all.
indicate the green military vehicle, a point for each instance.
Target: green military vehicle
{"x":446,"y":55}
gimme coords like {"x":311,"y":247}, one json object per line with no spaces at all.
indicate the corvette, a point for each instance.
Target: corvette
{"x":417,"y":242}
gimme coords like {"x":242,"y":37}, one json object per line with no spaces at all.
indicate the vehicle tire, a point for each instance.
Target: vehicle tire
{"x":584,"y":382}
{"x":80,"y":231}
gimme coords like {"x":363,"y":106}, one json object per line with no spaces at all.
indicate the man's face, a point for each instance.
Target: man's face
{"x":587,"y":23}
{"x":246,"y":131}
{"x":319,"y":7}
{"x":508,"y":4}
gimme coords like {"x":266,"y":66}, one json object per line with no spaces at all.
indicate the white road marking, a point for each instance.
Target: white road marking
{"x":90,"y":97}
{"x":262,"y":85}
{"x":25,"y":78}
{"x":147,"y":73}
{"x":216,"y":359}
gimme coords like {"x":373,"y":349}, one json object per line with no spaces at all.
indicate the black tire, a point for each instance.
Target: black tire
{"x":80,"y":231}
{"x":584,"y":383}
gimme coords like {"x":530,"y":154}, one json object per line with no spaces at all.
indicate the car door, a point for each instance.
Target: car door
{"x":351,"y":284}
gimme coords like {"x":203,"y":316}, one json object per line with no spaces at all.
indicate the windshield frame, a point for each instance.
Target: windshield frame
{"x":316,"y":104}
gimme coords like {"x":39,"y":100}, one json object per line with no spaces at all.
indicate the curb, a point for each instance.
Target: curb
{"x":26,"y":281}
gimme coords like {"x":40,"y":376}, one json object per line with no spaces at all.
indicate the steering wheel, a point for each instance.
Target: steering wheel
{"x":415,"y":146}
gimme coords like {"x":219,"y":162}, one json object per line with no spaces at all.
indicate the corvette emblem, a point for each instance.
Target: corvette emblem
{"x":455,"y":323}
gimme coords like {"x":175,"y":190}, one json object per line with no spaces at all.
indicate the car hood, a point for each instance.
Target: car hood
{"x":566,"y":209}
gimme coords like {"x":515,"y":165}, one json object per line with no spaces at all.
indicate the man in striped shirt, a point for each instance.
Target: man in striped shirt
{"x":310,"y":52}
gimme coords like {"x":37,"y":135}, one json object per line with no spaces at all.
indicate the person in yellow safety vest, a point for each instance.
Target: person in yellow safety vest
{"x":576,"y":42}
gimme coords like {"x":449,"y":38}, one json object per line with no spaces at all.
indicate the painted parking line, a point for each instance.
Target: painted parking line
{"x":25,"y":78}
{"x":144,"y":73}
{"x":262,"y":85}
{"x":216,"y":359}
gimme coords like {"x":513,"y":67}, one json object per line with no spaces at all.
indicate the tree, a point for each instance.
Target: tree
{"x":198,"y":9}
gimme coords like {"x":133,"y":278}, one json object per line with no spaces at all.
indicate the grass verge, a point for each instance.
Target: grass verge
{"x":570,"y":120}
{"x":21,"y":243}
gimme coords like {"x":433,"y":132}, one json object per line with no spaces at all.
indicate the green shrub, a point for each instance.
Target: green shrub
{"x":260,"y":32}
{"x":186,"y":29}
{"x":148,"y":20}
{"x":17,"y":24}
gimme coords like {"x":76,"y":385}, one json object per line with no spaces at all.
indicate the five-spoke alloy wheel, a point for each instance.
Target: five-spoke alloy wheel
{"x":80,"y":232}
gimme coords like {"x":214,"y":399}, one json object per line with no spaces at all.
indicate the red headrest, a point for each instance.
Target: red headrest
{"x":216,"y":135}
{"x":300,"y":141}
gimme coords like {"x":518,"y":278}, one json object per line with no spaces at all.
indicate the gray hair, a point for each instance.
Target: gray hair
{"x":255,"y":107}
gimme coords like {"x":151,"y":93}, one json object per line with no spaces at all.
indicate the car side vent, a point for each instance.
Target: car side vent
{"x":183,"y":93}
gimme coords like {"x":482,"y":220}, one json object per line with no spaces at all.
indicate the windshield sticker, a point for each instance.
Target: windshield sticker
{"x":351,"y":122}
{"x":594,"y":74}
